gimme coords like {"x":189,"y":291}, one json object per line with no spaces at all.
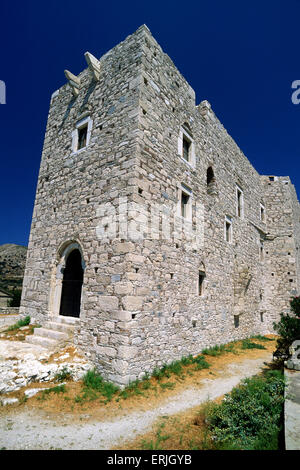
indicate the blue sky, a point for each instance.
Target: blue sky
{"x":240,"y":56}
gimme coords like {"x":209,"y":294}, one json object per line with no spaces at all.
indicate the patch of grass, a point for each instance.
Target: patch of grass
{"x":23,"y":322}
{"x":176,"y":367}
{"x":201,"y":363}
{"x":146,"y":384}
{"x":262,"y":338}
{"x":48,"y":391}
{"x":219,"y":349}
{"x":159,"y":439}
{"x":248,"y":344}
{"x":167,"y":385}
{"x":95,"y":385}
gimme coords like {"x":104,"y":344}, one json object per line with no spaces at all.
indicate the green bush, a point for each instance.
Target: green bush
{"x":250,"y":417}
{"x":295,"y":305}
{"x":288,"y":329}
{"x":23,"y":322}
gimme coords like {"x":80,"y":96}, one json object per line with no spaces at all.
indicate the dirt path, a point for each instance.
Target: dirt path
{"x":35,"y":429}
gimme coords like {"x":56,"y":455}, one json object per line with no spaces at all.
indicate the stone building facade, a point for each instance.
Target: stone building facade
{"x":150,"y":225}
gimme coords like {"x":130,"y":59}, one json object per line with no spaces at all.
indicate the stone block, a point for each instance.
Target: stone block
{"x":132,"y":302}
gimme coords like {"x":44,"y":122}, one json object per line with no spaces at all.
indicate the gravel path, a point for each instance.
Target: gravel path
{"x":35,"y":430}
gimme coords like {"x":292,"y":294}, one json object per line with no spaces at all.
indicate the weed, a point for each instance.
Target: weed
{"x":63,"y":375}
{"x":48,"y":391}
{"x":167,"y":385}
{"x":247,"y":344}
{"x":201,"y":363}
{"x":23,"y":322}
{"x":160,"y":438}
{"x":262,"y":338}
{"x":146,"y":384}
{"x":94,"y":385}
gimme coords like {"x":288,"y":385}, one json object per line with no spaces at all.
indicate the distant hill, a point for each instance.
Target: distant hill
{"x":12,"y":265}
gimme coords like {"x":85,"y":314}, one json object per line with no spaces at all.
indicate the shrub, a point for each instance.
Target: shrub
{"x":288,"y":328}
{"x":250,"y":417}
{"x":295,"y":305}
{"x":23,"y":322}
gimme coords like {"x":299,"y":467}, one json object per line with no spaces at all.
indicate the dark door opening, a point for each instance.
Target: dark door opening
{"x":71,"y":286}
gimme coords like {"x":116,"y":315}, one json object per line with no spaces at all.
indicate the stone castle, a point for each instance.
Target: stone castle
{"x":152,"y":233}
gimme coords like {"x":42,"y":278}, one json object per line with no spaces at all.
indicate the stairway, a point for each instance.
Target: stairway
{"x":56,"y":333}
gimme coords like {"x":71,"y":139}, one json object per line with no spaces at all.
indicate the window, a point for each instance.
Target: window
{"x":210,"y":177}
{"x":261,"y":251}
{"x":239,"y":202}
{"x":82,"y":135}
{"x":262,"y":213}
{"x":186,"y":144}
{"x":228,"y":229}
{"x":236,"y":321}
{"x":184,"y":204}
{"x":201,"y":278}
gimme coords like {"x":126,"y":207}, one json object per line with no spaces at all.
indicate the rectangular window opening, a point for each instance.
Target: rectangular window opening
{"x":184,"y":203}
{"x":201,"y":278}
{"x":262,"y":213}
{"x":228,"y":229}
{"x":186,"y":144}
{"x":82,"y":137}
{"x":236,"y":321}
{"x":261,"y":252}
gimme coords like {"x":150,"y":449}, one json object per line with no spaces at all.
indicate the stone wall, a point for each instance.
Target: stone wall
{"x":9,"y":310}
{"x":150,"y":220}
{"x":281,"y":245}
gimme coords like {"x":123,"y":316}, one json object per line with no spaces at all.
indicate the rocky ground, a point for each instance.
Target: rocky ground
{"x":22,"y":364}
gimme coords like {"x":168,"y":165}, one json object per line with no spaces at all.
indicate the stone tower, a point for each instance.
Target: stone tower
{"x":150,"y":226}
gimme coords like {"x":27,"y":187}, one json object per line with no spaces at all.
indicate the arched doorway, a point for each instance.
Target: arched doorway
{"x":72,"y":285}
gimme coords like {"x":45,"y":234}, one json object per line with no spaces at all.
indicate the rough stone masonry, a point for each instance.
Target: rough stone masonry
{"x":150,"y":225}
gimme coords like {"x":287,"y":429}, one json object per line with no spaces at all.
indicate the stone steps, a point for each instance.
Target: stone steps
{"x":57,"y":326}
{"x":55,"y":333}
